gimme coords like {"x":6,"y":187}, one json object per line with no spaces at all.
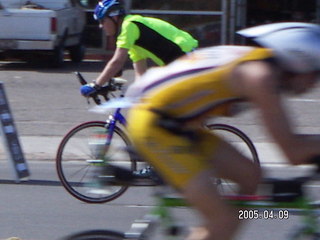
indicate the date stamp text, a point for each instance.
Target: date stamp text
{"x":251,"y":214}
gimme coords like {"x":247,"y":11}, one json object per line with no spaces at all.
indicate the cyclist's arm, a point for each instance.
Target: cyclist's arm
{"x":140,"y":68}
{"x":258,"y":81}
{"x":113,"y":66}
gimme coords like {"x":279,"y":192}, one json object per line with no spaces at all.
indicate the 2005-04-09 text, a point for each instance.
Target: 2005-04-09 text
{"x":263,"y":214}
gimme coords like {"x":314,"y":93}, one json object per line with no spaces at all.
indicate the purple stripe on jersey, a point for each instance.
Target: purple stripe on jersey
{"x":173,"y":76}
{"x":207,"y":108}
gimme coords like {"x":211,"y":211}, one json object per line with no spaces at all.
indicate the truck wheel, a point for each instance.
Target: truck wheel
{"x":57,"y":57}
{"x":77,"y":53}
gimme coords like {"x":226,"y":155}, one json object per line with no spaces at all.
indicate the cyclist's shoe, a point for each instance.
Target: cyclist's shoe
{"x":148,"y":173}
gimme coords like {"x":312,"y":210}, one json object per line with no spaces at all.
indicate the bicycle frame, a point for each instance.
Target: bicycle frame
{"x":111,"y":124}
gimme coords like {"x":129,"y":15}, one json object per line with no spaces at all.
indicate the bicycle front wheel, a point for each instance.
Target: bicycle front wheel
{"x":96,"y":235}
{"x":79,"y":167}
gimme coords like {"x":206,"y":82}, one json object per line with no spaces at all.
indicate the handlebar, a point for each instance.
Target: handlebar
{"x":113,"y":85}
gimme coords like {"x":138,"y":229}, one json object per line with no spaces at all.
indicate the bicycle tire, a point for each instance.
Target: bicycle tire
{"x":245,"y":146}
{"x":96,"y":235}
{"x":78,"y":175}
{"x":240,"y":134}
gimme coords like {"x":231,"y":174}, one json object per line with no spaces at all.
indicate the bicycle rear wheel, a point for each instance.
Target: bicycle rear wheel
{"x":237,"y":138}
{"x":79,"y":168}
{"x":96,"y":235}
{"x":241,"y":142}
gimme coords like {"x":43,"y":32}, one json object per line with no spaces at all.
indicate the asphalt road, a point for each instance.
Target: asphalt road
{"x":46,"y":103}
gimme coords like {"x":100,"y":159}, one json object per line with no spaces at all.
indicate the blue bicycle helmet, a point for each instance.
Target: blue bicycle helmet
{"x":108,"y":8}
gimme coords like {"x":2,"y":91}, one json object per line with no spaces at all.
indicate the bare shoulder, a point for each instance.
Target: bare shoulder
{"x":254,"y":79}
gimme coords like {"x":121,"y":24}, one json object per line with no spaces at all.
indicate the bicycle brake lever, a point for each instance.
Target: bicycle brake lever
{"x":81,"y":78}
{"x":96,"y":99}
{"x":84,"y":82}
{"x":106,"y":98}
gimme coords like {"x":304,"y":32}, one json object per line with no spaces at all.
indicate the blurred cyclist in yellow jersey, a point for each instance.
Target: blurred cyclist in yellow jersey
{"x":166,"y":123}
{"x":139,"y":37}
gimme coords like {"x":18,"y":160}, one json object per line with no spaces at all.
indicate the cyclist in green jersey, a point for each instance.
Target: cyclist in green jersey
{"x":139,"y":37}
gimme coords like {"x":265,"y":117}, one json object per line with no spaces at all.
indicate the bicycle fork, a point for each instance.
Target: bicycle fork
{"x":101,"y":142}
{"x":110,"y":126}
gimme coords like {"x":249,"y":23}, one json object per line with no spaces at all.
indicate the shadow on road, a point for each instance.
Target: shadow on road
{"x":68,"y":66}
{"x":88,"y":66}
{"x":32,"y":182}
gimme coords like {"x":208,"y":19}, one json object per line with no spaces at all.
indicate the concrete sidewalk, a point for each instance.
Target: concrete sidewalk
{"x":36,"y":148}
{"x":44,"y":148}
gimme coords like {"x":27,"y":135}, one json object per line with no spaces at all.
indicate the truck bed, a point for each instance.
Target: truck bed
{"x":27,"y":24}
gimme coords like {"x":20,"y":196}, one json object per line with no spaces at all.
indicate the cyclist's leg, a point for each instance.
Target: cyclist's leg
{"x":230,"y":164}
{"x":221,"y":219}
{"x":187,"y":166}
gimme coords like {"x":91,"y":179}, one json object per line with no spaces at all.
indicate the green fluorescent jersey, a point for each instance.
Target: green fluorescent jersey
{"x":147,"y":37}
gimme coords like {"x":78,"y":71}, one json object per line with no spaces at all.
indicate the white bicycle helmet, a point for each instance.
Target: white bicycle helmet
{"x":296,"y":45}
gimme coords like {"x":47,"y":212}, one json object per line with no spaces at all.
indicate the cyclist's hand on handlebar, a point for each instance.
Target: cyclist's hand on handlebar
{"x":89,"y":89}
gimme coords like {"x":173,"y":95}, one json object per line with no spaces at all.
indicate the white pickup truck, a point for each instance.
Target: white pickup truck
{"x":42,"y":28}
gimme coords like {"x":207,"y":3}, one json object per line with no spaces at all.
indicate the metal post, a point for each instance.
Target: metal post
{"x":242,"y":16}
{"x":224,"y":19}
{"x":232,"y":18}
{"x":10,"y":139}
{"x":318,"y":11}
{"x":127,"y":5}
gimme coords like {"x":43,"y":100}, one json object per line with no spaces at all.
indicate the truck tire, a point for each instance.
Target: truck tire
{"x":77,"y":53}
{"x":57,"y":57}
